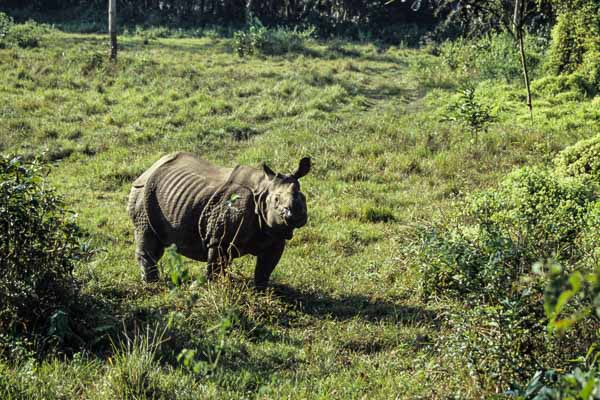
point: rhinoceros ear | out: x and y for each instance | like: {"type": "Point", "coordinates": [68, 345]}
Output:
{"type": "Point", "coordinates": [303, 168]}
{"type": "Point", "coordinates": [268, 171]}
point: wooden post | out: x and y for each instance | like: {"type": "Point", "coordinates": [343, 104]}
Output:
{"type": "Point", "coordinates": [112, 28]}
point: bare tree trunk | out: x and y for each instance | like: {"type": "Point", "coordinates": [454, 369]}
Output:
{"type": "Point", "coordinates": [518, 22]}
{"type": "Point", "coordinates": [112, 28]}
{"type": "Point", "coordinates": [249, 13]}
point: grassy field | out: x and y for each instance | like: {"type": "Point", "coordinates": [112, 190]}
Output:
{"type": "Point", "coordinates": [345, 318]}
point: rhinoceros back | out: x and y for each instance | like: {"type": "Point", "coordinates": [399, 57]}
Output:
{"type": "Point", "coordinates": [176, 189]}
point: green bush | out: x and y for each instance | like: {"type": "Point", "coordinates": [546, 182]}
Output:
{"type": "Point", "coordinates": [39, 248]}
{"type": "Point", "coordinates": [6, 23]}
{"type": "Point", "coordinates": [581, 159]}
{"type": "Point", "coordinates": [27, 35]}
{"type": "Point", "coordinates": [503, 343]}
{"type": "Point", "coordinates": [576, 85]}
{"type": "Point", "coordinates": [575, 44]}
{"type": "Point", "coordinates": [533, 215]}
{"type": "Point", "coordinates": [259, 39]}
{"type": "Point", "coordinates": [540, 213]}
{"type": "Point", "coordinates": [483, 257]}
{"type": "Point", "coordinates": [590, 240]}
{"type": "Point", "coordinates": [248, 42]}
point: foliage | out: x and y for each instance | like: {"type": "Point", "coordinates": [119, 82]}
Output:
{"type": "Point", "coordinates": [385, 20]}
{"type": "Point", "coordinates": [26, 35]}
{"type": "Point", "coordinates": [549, 385]}
{"type": "Point", "coordinates": [6, 23]}
{"type": "Point", "coordinates": [494, 56]}
{"type": "Point", "coordinates": [211, 357]}
{"type": "Point", "coordinates": [576, 42]}
{"type": "Point", "coordinates": [269, 41]}
{"type": "Point", "coordinates": [476, 18]}
{"type": "Point", "coordinates": [471, 113]}
{"type": "Point", "coordinates": [581, 159]}
{"type": "Point", "coordinates": [174, 268]}
{"type": "Point", "coordinates": [571, 300]}
{"type": "Point", "coordinates": [583, 381]}
{"type": "Point", "coordinates": [248, 41]}
{"type": "Point", "coordinates": [39, 249]}
{"type": "Point", "coordinates": [501, 343]}
{"type": "Point", "coordinates": [538, 212]}
{"type": "Point", "coordinates": [532, 216]}
{"type": "Point", "coordinates": [485, 259]}
{"type": "Point", "coordinates": [576, 86]}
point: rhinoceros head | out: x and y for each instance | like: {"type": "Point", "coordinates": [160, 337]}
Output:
{"type": "Point", "coordinates": [284, 206]}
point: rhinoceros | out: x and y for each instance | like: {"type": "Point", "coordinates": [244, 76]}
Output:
{"type": "Point", "coordinates": [215, 214]}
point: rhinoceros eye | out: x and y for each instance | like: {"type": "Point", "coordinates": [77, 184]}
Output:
{"type": "Point", "coordinates": [276, 200]}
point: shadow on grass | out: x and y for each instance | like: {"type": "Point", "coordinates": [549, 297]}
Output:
{"type": "Point", "coordinates": [324, 306]}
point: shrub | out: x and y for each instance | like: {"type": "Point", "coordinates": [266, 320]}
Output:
{"type": "Point", "coordinates": [249, 41]}
{"type": "Point", "coordinates": [258, 38]}
{"type": "Point", "coordinates": [27, 35]}
{"type": "Point", "coordinates": [533, 215]}
{"type": "Point", "coordinates": [581, 159]}
{"type": "Point", "coordinates": [6, 23]}
{"type": "Point", "coordinates": [590, 239]}
{"type": "Point", "coordinates": [39, 248]}
{"type": "Point", "coordinates": [483, 256]}
{"type": "Point", "coordinates": [540, 213]}
{"type": "Point", "coordinates": [549, 385]}
{"type": "Point", "coordinates": [503, 343]}
{"type": "Point", "coordinates": [576, 84]}
{"type": "Point", "coordinates": [575, 44]}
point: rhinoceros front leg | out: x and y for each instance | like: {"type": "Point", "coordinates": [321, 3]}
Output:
{"type": "Point", "coordinates": [216, 262]}
{"type": "Point", "coordinates": [265, 264]}
{"type": "Point", "coordinates": [148, 251]}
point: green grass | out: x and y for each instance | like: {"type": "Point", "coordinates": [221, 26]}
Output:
{"type": "Point", "coordinates": [345, 318]}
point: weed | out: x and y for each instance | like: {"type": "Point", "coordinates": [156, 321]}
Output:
{"type": "Point", "coordinates": [135, 365]}
{"type": "Point", "coordinates": [471, 113]}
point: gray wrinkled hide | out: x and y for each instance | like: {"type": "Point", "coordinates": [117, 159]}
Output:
{"type": "Point", "coordinates": [209, 213]}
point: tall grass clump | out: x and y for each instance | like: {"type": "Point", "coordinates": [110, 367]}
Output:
{"type": "Point", "coordinates": [40, 246]}
{"type": "Point", "coordinates": [136, 370]}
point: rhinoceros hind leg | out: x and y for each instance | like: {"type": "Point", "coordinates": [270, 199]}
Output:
{"type": "Point", "coordinates": [148, 251]}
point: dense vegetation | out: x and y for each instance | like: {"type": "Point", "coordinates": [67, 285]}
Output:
{"type": "Point", "coordinates": [379, 17]}
{"type": "Point", "coordinates": [452, 246]}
